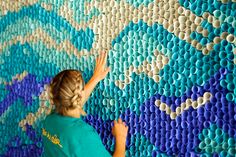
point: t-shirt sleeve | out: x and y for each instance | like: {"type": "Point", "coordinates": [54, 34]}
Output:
{"type": "Point", "coordinates": [91, 144]}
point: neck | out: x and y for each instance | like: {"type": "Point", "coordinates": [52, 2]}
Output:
{"type": "Point", "coordinates": [73, 113]}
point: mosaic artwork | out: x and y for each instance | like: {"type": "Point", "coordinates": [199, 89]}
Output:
{"type": "Point", "coordinates": [172, 78]}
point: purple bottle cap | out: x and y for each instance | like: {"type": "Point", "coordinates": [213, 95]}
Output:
{"type": "Point", "coordinates": [213, 100]}
{"type": "Point", "coordinates": [201, 119]}
{"type": "Point", "coordinates": [179, 144]}
{"type": "Point", "coordinates": [189, 118]}
{"type": "Point", "coordinates": [218, 76]}
{"type": "Point", "coordinates": [184, 115]}
{"type": "Point", "coordinates": [168, 143]}
{"type": "Point", "coordinates": [218, 95]}
{"type": "Point", "coordinates": [220, 123]}
{"type": "Point", "coordinates": [194, 114]}
{"type": "Point", "coordinates": [190, 135]}
{"type": "Point", "coordinates": [206, 124]}
{"type": "Point", "coordinates": [225, 109]}
{"type": "Point", "coordinates": [154, 153]}
{"type": "Point", "coordinates": [173, 132]}
{"type": "Point", "coordinates": [183, 149]}
{"type": "Point", "coordinates": [189, 93]}
{"type": "Point", "coordinates": [212, 81]}
{"type": "Point", "coordinates": [168, 134]}
{"type": "Point", "coordinates": [173, 124]}
{"type": "Point", "coordinates": [232, 121]}
{"type": "Point", "coordinates": [162, 147]}
{"type": "Point", "coordinates": [213, 118]}
{"type": "Point", "coordinates": [226, 127]}
{"type": "Point", "coordinates": [174, 149]}
{"type": "Point", "coordinates": [195, 131]}
{"type": "Point", "coordinates": [207, 107]}
{"type": "Point", "coordinates": [226, 117]}
{"type": "Point", "coordinates": [190, 145]}
{"type": "Point", "coordinates": [163, 116]}
{"type": "Point", "coordinates": [183, 98]}
{"type": "Point", "coordinates": [163, 99]}
{"type": "Point", "coordinates": [178, 135]}
{"type": "Point", "coordinates": [194, 122]}
{"type": "Point", "coordinates": [153, 131]}
{"type": "Point", "coordinates": [178, 120]}
{"type": "Point", "coordinates": [223, 71]}
{"type": "Point", "coordinates": [152, 108]}
{"type": "Point", "coordinates": [195, 89]}
{"type": "Point", "coordinates": [178, 102]}
{"type": "Point", "coordinates": [206, 86]}
{"type": "Point", "coordinates": [213, 109]}
{"type": "Point", "coordinates": [201, 111]}
{"type": "Point", "coordinates": [231, 132]}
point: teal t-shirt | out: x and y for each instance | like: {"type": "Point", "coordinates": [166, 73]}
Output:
{"type": "Point", "coordinates": [65, 136]}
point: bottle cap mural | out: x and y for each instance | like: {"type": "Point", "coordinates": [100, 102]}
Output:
{"type": "Point", "coordinates": [172, 78]}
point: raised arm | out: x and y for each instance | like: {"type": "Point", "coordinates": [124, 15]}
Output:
{"type": "Point", "coordinates": [100, 72]}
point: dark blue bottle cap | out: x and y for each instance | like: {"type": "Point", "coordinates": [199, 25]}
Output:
{"type": "Point", "coordinates": [206, 124]}
{"type": "Point", "coordinates": [213, 118]}
{"type": "Point", "coordinates": [231, 132]}
{"type": "Point", "coordinates": [226, 127]}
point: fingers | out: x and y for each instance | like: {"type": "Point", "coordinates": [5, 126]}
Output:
{"type": "Point", "coordinates": [107, 70]}
{"type": "Point", "coordinates": [97, 61]}
{"type": "Point", "coordinates": [120, 121]}
{"type": "Point", "coordinates": [105, 59]}
{"type": "Point", "coordinates": [101, 59]}
{"type": "Point", "coordinates": [125, 124]}
{"type": "Point", "coordinates": [115, 122]}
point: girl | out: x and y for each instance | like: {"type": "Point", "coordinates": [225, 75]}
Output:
{"type": "Point", "coordinates": [64, 131]}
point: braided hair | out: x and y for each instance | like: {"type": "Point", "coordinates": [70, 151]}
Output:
{"type": "Point", "coordinates": [65, 91]}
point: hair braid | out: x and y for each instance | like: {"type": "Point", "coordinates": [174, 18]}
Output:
{"type": "Point", "coordinates": [76, 99]}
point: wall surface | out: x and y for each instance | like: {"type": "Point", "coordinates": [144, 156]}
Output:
{"type": "Point", "coordinates": [172, 78]}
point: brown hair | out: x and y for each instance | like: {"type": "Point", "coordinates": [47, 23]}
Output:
{"type": "Point", "coordinates": [65, 91]}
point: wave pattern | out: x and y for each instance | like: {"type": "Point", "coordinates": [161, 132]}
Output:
{"type": "Point", "coordinates": [172, 78]}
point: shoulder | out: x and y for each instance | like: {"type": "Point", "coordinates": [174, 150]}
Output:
{"type": "Point", "coordinates": [83, 128]}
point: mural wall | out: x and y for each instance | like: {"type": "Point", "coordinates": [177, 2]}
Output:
{"type": "Point", "coordinates": [172, 78]}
